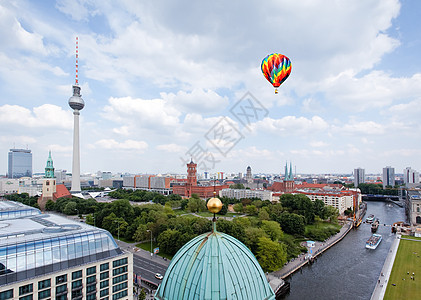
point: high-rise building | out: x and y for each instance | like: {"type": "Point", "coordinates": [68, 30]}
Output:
{"type": "Point", "coordinates": [46, 256]}
{"type": "Point", "coordinates": [388, 177]}
{"type": "Point", "coordinates": [77, 104]}
{"type": "Point", "coordinates": [410, 177]}
{"type": "Point", "coordinates": [20, 163]}
{"type": "Point", "coordinates": [249, 177]}
{"type": "Point", "coordinates": [359, 176]}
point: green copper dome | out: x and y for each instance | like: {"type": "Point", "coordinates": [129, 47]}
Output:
{"type": "Point", "coordinates": [214, 266]}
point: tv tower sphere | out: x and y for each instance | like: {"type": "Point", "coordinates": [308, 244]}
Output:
{"type": "Point", "coordinates": [76, 102]}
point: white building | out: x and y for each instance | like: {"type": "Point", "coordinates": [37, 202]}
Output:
{"type": "Point", "coordinates": [339, 200]}
{"type": "Point", "coordinates": [388, 177]}
{"type": "Point", "coordinates": [51, 257]}
{"type": "Point", "coordinates": [246, 193]}
{"type": "Point", "coordinates": [359, 176]}
{"type": "Point", "coordinates": [411, 177]}
{"type": "Point", "coordinates": [21, 185]}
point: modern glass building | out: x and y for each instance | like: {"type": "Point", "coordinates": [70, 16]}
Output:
{"type": "Point", "coordinates": [51, 257]}
{"type": "Point", "coordinates": [20, 163]}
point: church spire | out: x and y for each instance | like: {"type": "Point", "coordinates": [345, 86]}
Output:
{"type": "Point", "coordinates": [49, 169]}
{"type": "Point", "coordinates": [286, 170]}
{"type": "Point", "coordinates": [291, 176]}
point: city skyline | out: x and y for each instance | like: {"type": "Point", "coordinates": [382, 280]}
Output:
{"type": "Point", "coordinates": [157, 79]}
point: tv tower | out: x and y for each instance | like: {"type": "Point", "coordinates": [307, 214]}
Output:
{"type": "Point", "coordinates": [76, 103]}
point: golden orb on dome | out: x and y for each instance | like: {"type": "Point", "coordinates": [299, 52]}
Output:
{"type": "Point", "coordinates": [214, 205]}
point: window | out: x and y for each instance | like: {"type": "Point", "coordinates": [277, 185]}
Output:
{"type": "Point", "coordinates": [91, 270]}
{"type": "Point", "coordinates": [6, 295]}
{"type": "Point", "coordinates": [25, 289]}
{"type": "Point", "coordinates": [44, 284]}
{"type": "Point", "coordinates": [119, 278]}
{"type": "Point", "coordinates": [91, 297]}
{"type": "Point", "coordinates": [76, 274]}
{"type": "Point", "coordinates": [104, 275]}
{"type": "Point", "coordinates": [61, 279]}
{"type": "Point", "coordinates": [28, 297]}
{"type": "Point", "coordinates": [76, 284]}
{"type": "Point", "coordinates": [61, 288]}
{"type": "Point", "coordinates": [90, 288]}
{"type": "Point", "coordinates": [120, 270]}
{"type": "Point", "coordinates": [61, 297]}
{"type": "Point", "coordinates": [76, 294]}
{"type": "Point", "coordinates": [103, 284]}
{"type": "Point", "coordinates": [120, 295]}
{"type": "Point", "coordinates": [90, 279]}
{"type": "Point", "coordinates": [119, 287]}
{"type": "Point", "coordinates": [103, 293]}
{"type": "Point", "coordinates": [104, 267]}
{"type": "Point", "coordinates": [120, 262]}
{"type": "Point", "coordinates": [44, 294]}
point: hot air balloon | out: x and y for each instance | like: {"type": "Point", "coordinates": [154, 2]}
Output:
{"type": "Point", "coordinates": [276, 68]}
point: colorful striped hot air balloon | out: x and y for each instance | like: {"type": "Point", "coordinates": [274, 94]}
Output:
{"type": "Point", "coordinates": [276, 68]}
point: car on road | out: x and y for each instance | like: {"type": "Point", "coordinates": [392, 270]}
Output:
{"type": "Point", "coordinates": [158, 276]}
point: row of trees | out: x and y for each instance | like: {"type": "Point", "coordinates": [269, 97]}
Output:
{"type": "Point", "coordinates": [266, 231]}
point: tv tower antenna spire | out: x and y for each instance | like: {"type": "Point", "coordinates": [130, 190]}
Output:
{"type": "Point", "coordinates": [77, 61]}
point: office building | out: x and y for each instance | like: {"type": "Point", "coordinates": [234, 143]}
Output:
{"type": "Point", "coordinates": [246, 194]}
{"type": "Point", "coordinates": [20, 163]}
{"type": "Point", "coordinates": [413, 207]}
{"type": "Point", "coordinates": [51, 257]}
{"type": "Point", "coordinates": [359, 176]}
{"type": "Point", "coordinates": [411, 178]}
{"type": "Point", "coordinates": [388, 177]}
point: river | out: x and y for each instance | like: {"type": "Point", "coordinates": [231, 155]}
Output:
{"type": "Point", "coordinates": [348, 270]}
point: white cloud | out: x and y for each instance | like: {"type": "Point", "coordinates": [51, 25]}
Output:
{"type": "Point", "coordinates": [47, 115]}
{"type": "Point", "coordinates": [318, 144]}
{"type": "Point", "coordinates": [198, 101]}
{"type": "Point", "coordinates": [126, 145]}
{"type": "Point", "coordinates": [290, 125]}
{"type": "Point", "coordinates": [364, 127]}
{"type": "Point", "coordinates": [173, 148]}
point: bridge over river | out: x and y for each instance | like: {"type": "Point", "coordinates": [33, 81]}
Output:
{"type": "Point", "coordinates": [386, 198]}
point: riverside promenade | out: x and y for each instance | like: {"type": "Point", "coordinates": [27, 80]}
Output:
{"type": "Point", "coordinates": [319, 248]}
{"type": "Point", "coordinates": [381, 285]}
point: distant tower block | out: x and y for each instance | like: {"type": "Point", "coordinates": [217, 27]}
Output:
{"type": "Point", "coordinates": [77, 104]}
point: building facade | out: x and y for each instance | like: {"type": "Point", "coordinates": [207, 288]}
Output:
{"type": "Point", "coordinates": [359, 176]}
{"type": "Point", "coordinates": [411, 178]}
{"type": "Point", "coordinates": [51, 257]}
{"type": "Point", "coordinates": [413, 206]}
{"type": "Point", "coordinates": [388, 177]}
{"type": "Point", "coordinates": [20, 163]}
{"type": "Point", "coordinates": [246, 193]}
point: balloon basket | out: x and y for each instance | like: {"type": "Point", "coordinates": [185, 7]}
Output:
{"type": "Point", "coordinates": [276, 91]}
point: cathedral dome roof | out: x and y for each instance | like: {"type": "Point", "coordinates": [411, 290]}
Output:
{"type": "Point", "coordinates": [214, 265]}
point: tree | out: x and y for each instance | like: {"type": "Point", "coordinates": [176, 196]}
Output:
{"type": "Point", "coordinates": [250, 210]}
{"type": "Point", "coordinates": [50, 205]}
{"type": "Point", "coordinates": [70, 208]}
{"type": "Point", "coordinates": [291, 223]}
{"type": "Point", "coordinates": [141, 233]}
{"type": "Point", "coordinates": [272, 229]}
{"type": "Point", "coordinates": [263, 214]}
{"type": "Point", "coordinates": [319, 209]}
{"type": "Point", "coordinates": [223, 210]}
{"type": "Point", "coordinates": [142, 295]}
{"type": "Point", "coordinates": [169, 241]}
{"type": "Point", "coordinates": [238, 207]}
{"type": "Point", "coordinates": [252, 235]}
{"type": "Point", "coordinates": [196, 204]}
{"type": "Point", "coordinates": [271, 255]}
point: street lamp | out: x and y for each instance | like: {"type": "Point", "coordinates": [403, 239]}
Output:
{"type": "Point", "coordinates": [151, 240]}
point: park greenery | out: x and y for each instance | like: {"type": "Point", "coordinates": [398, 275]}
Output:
{"type": "Point", "coordinates": [273, 232]}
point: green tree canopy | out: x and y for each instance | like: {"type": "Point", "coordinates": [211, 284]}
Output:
{"type": "Point", "coordinates": [271, 255]}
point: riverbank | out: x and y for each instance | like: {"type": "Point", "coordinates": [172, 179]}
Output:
{"type": "Point", "coordinates": [297, 263]}
{"type": "Point", "coordinates": [381, 285]}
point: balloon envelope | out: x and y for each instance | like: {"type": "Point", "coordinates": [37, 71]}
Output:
{"type": "Point", "coordinates": [276, 68]}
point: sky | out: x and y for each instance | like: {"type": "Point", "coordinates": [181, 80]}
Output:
{"type": "Point", "coordinates": [166, 81]}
